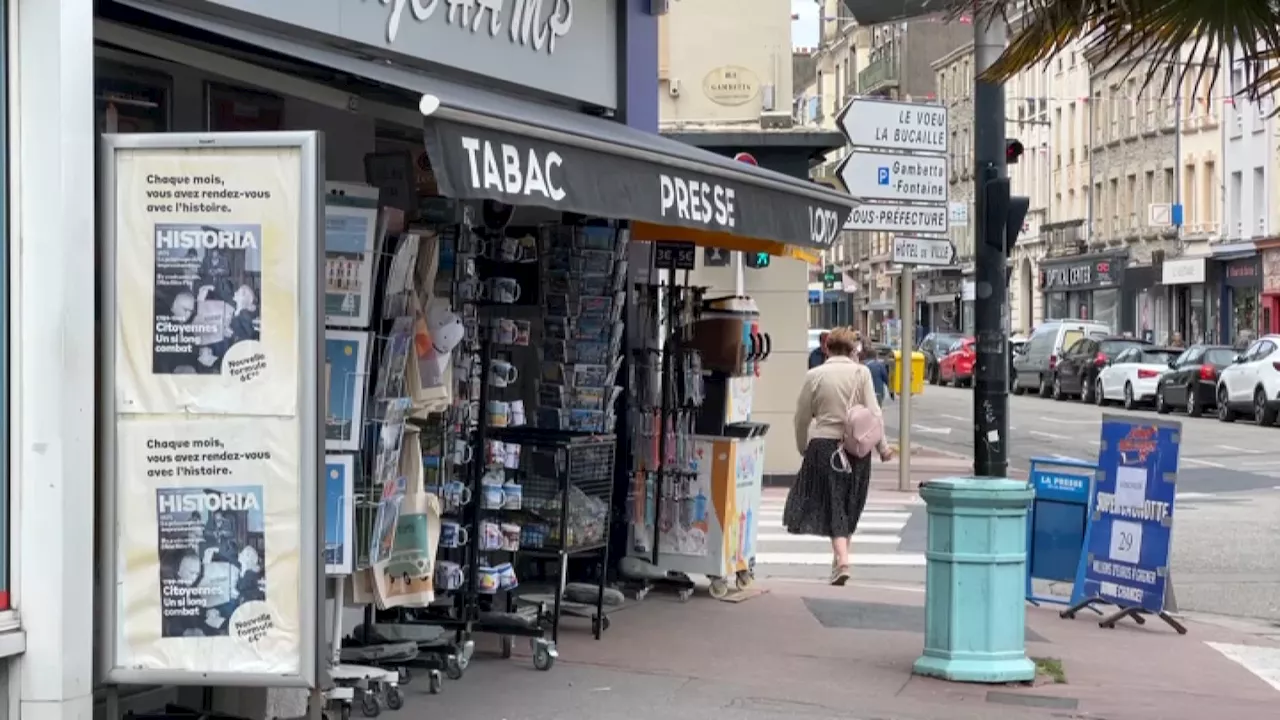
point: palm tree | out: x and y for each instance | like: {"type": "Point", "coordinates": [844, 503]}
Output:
{"type": "Point", "coordinates": [1182, 37]}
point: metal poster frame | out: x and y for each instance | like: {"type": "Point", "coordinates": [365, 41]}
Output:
{"type": "Point", "coordinates": [311, 666]}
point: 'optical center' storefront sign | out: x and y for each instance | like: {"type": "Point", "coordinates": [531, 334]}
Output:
{"type": "Point", "coordinates": [563, 47]}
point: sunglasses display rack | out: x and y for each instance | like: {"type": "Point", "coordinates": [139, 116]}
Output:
{"type": "Point", "coordinates": [665, 387]}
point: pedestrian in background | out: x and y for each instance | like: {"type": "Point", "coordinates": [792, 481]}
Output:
{"type": "Point", "coordinates": [879, 374]}
{"type": "Point", "coordinates": [828, 496]}
{"type": "Point", "coordinates": [818, 355]}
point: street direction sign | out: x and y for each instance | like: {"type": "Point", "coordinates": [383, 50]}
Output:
{"type": "Point", "coordinates": [889, 125]}
{"type": "Point", "coordinates": [898, 218]}
{"type": "Point", "coordinates": [893, 176]}
{"type": "Point", "coordinates": [908, 250]}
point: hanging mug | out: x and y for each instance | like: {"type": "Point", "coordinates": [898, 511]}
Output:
{"type": "Point", "coordinates": [503, 331]}
{"type": "Point", "coordinates": [512, 496]}
{"type": "Point", "coordinates": [492, 495]}
{"type": "Point", "coordinates": [511, 460]}
{"type": "Point", "coordinates": [490, 536]}
{"type": "Point", "coordinates": [455, 494]}
{"type": "Point", "coordinates": [472, 290]}
{"type": "Point", "coordinates": [523, 330]}
{"type": "Point", "coordinates": [502, 373]}
{"type": "Point", "coordinates": [487, 580]}
{"type": "Point", "coordinates": [504, 290]}
{"type": "Point", "coordinates": [499, 412]}
{"type": "Point", "coordinates": [506, 576]}
{"type": "Point", "coordinates": [453, 535]}
{"type": "Point", "coordinates": [517, 413]}
{"type": "Point", "coordinates": [462, 452]}
{"type": "Point", "coordinates": [450, 575]}
{"type": "Point", "coordinates": [509, 249]}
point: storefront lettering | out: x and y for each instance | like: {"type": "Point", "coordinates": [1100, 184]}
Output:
{"type": "Point", "coordinates": [823, 225]}
{"type": "Point", "coordinates": [526, 23]}
{"type": "Point", "coordinates": [1070, 276]}
{"type": "Point", "coordinates": [533, 176]}
{"type": "Point", "coordinates": [1241, 271]}
{"type": "Point", "coordinates": [698, 200]}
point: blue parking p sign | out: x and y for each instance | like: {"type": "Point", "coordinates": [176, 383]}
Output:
{"type": "Point", "coordinates": [882, 176]}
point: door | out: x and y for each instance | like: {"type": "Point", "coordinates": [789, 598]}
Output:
{"type": "Point", "coordinates": [1113, 376]}
{"type": "Point", "coordinates": [1240, 378]}
{"type": "Point", "coordinates": [1074, 363]}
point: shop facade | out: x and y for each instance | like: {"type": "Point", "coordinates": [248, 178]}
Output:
{"type": "Point", "coordinates": [1240, 299]}
{"type": "Point", "coordinates": [1269, 251]}
{"type": "Point", "coordinates": [939, 302]}
{"type": "Point", "coordinates": [509, 110]}
{"type": "Point", "coordinates": [1084, 288]}
{"type": "Point", "coordinates": [1187, 298]}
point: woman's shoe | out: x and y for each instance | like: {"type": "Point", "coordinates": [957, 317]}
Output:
{"type": "Point", "coordinates": [840, 576]}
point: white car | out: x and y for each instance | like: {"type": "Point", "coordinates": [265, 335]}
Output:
{"type": "Point", "coordinates": [815, 337]}
{"type": "Point", "coordinates": [1251, 385]}
{"type": "Point", "coordinates": [1132, 377]}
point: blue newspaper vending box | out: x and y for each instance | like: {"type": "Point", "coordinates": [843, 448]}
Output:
{"type": "Point", "coordinates": [1058, 525]}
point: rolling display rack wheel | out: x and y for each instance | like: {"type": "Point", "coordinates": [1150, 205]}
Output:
{"type": "Point", "coordinates": [719, 587]}
{"type": "Point", "coordinates": [344, 713]}
{"type": "Point", "coordinates": [684, 594]}
{"type": "Point", "coordinates": [435, 682]}
{"type": "Point", "coordinates": [599, 624]}
{"type": "Point", "coordinates": [544, 654]}
{"type": "Point", "coordinates": [454, 667]}
{"type": "Point", "coordinates": [508, 643]}
{"type": "Point", "coordinates": [745, 579]}
{"type": "Point", "coordinates": [395, 698]}
{"type": "Point", "coordinates": [369, 704]}
{"type": "Point", "coordinates": [406, 675]}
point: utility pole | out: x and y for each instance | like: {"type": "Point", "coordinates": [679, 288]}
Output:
{"type": "Point", "coordinates": [991, 384]}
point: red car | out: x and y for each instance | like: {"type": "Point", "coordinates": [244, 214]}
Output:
{"type": "Point", "coordinates": [956, 367]}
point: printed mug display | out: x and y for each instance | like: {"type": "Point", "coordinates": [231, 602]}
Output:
{"type": "Point", "coordinates": [453, 535]}
{"type": "Point", "coordinates": [502, 373]}
{"type": "Point", "coordinates": [503, 290]}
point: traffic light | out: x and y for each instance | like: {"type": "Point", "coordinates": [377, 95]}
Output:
{"type": "Point", "coordinates": [1004, 211]}
{"type": "Point", "coordinates": [757, 260]}
{"type": "Point", "coordinates": [829, 277]}
{"type": "Point", "coordinates": [1012, 151]}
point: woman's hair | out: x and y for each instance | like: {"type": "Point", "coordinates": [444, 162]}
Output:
{"type": "Point", "coordinates": [841, 341]}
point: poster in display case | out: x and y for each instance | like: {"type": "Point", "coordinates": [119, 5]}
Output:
{"type": "Point", "coordinates": [211, 535]}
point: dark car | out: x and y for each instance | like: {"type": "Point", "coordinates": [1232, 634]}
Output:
{"type": "Point", "coordinates": [934, 346]}
{"type": "Point", "coordinates": [1077, 370]}
{"type": "Point", "coordinates": [1192, 379]}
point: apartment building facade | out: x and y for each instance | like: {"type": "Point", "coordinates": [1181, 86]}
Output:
{"type": "Point", "coordinates": [948, 304]}
{"type": "Point", "coordinates": [739, 97]}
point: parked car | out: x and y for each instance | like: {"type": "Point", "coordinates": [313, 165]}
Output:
{"type": "Point", "coordinates": [1034, 364]}
{"type": "Point", "coordinates": [934, 346]}
{"type": "Point", "coordinates": [1251, 384]}
{"type": "Point", "coordinates": [1134, 375]}
{"type": "Point", "coordinates": [1078, 368]}
{"type": "Point", "coordinates": [1192, 380]}
{"type": "Point", "coordinates": [815, 337]}
{"type": "Point", "coordinates": [957, 365]}
{"type": "Point", "coordinates": [1016, 343]}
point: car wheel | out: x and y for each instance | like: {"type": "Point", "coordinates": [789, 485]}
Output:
{"type": "Point", "coordinates": [1129, 402]}
{"type": "Point", "coordinates": [932, 374]}
{"type": "Point", "coordinates": [1044, 387]}
{"type": "Point", "coordinates": [1225, 413]}
{"type": "Point", "coordinates": [1014, 387]}
{"type": "Point", "coordinates": [1099, 397]}
{"type": "Point", "coordinates": [1057, 389]}
{"type": "Point", "coordinates": [1161, 407]}
{"type": "Point", "coordinates": [1193, 407]}
{"type": "Point", "coordinates": [1087, 390]}
{"type": "Point", "coordinates": [1261, 413]}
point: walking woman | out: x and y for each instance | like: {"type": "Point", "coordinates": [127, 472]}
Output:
{"type": "Point", "coordinates": [830, 494]}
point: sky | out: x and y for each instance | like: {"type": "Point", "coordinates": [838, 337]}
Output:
{"type": "Point", "coordinates": [804, 31]}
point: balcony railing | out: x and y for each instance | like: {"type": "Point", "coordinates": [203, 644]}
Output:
{"type": "Point", "coordinates": [879, 74]}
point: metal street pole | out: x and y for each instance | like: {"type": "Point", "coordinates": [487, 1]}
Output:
{"type": "Point", "coordinates": [991, 386]}
{"type": "Point", "coordinates": [907, 340]}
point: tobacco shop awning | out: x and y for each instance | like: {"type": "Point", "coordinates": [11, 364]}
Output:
{"type": "Point", "coordinates": [485, 145]}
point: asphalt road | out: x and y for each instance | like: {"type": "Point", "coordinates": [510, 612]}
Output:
{"type": "Point", "coordinates": [1226, 556]}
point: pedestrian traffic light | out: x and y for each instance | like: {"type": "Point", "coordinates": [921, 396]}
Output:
{"type": "Point", "coordinates": [757, 259]}
{"type": "Point", "coordinates": [829, 277]}
{"type": "Point", "coordinates": [1012, 151]}
{"type": "Point", "coordinates": [1004, 215]}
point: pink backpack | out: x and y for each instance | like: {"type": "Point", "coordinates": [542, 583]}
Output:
{"type": "Point", "coordinates": [863, 431]}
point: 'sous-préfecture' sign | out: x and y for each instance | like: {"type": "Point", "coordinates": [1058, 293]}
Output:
{"type": "Point", "coordinates": [898, 166]}
{"type": "Point", "coordinates": [908, 250]}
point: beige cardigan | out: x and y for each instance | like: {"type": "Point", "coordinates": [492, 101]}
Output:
{"type": "Point", "coordinates": [824, 400]}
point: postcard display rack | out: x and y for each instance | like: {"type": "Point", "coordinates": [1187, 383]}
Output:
{"type": "Point", "coordinates": [698, 467]}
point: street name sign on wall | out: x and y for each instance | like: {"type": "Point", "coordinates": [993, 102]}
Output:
{"type": "Point", "coordinates": [937, 252]}
{"type": "Point", "coordinates": [894, 126]}
{"type": "Point", "coordinates": [869, 175]}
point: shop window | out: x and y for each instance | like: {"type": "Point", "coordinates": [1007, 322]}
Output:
{"type": "Point", "coordinates": [129, 100]}
{"type": "Point", "coordinates": [1106, 308]}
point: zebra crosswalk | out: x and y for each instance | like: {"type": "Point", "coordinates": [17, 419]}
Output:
{"type": "Point", "coordinates": [875, 544]}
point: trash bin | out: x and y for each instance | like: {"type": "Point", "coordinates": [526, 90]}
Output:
{"type": "Point", "coordinates": [917, 372]}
